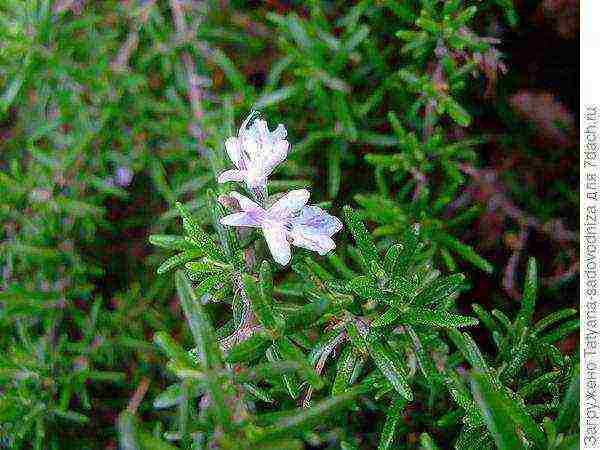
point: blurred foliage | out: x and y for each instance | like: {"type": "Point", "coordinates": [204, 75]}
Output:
{"type": "Point", "coordinates": [113, 116]}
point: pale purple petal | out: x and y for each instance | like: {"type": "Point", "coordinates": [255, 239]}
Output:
{"type": "Point", "coordinates": [280, 132]}
{"type": "Point", "coordinates": [250, 145]}
{"type": "Point", "coordinates": [277, 154]}
{"type": "Point", "coordinates": [262, 131]}
{"type": "Point", "coordinates": [124, 176]}
{"type": "Point", "coordinates": [255, 176]}
{"type": "Point", "coordinates": [231, 175]}
{"type": "Point", "coordinates": [310, 239]}
{"type": "Point", "coordinates": [240, 219]}
{"type": "Point", "coordinates": [276, 238]}
{"type": "Point", "coordinates": [317, 219]}
{"type": "Point", "coordinates": [234, 151]}
{"type": "Point", "coordinates": [289, 204]}
{"type": "Point", "coordinates": [245, 203]}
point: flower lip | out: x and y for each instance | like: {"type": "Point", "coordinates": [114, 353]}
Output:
{"type": "Point", "coordinates": [288, 221]}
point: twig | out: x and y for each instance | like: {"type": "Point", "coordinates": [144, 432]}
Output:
{"type": "Point", "coordinates": [248, 324]}
{"type": "Point", "coordinates": [194, 92]}
{"type": "Point", "coordinates": [321, 364]}
{"type": "Point", "coordinates": [488, 179]}
{"type": "Point", "coordinates": [554, 229]}
{"type": "Point", "coordinates": [138, 395]}
{"type": "Point", "coordinates": [122, 59]}
{"type": "Point", "coordinates": [511, 267]}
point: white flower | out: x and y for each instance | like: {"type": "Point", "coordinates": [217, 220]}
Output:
{"type": "Point", "coordinates": [287, 221]}
{"type": "Point", "coordinates": [255, 152]}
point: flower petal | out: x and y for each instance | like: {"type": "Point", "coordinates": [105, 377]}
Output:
{"type": "Point", "coordinates": [276, 238]}
{"type": "Point", "coordinates": [277, 153]}
{"type": "Point", "coordinates": [245, 203]}
{"type": "Point", "coordinates": [232, 175]}
{"type": "Point", "coordinates": [255, 176]}
{"type": "Point", "coordinates": [240, 219]}
{"type": "Point", "coordinates": [280, 132]}
{"type": "Point", "coordinates": [289, 204]}
{"type": "Point", "coordinates": [310, 239]}
{"type": "Point", "coordinates": [261, 129]}
{"type": "Point", "coordinates": [317, 219]}
{"type": "Point", "coordinates": [234, 151]}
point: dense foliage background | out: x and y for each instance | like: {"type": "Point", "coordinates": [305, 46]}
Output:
{"type": "Point", "coordinates": [459, 117]}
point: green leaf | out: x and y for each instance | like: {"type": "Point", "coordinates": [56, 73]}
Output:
{"type": "Point", "coordinates": [486, 318]}
{"type": "Point", "coordinates": [178, 260]}
{"type": "Point", "coordinates": [168, 398]}
{"type": "Point", "coordinates": [386, 318]}
{"type": "Point", "coordinates": [172, 349]}
{"type": "Point", "coordinates": [258, 393]}
{"type": "Point", "coordinates": [361, 235]}
{"type": "Point", "coordinates": [392, 257]}
{"type": "Point", "coordinates": [306, 315]}
{"type": "Point", "coordinates": [290, 352]}
{"type": "Point", "coordinates": [284, 424]}
{"type": "Point", "coordinates": [498, 421]}
{"type": "Point", "coordinates": [127, 431]}
{"type": "Point", "coordinates": [344, 370]}
{"type": "Point", "coordinates": [266, 371]}
{"type": "Point", "coordinates": [356, 337]}
{"type": "Point", "coordinates": [427, 443]}
{"type": "Point", "coordinates": [133, 438]}
{"type": "Point", "coordinates": [391, 422]}
{"type": "Point", "coordinates": [465, 251]}
{"type": "Point", "coordinates": [551, 319]}
{"type": "Point", "coordinates": [388, 364]}
{"type": "Point", "coordinates": [261, 303]}
{"type": "Point", "coordinates": [530, 292]}
{"type": "Point", "coordinates": [568, 412]}
{"type": "Point", "coordinates": [290, 380]}
{"type": "Point", "coordinates": [170, 241]}
{"type": "Point", "coordinates": [365, 287]}
{"type": "Point", "coordinates": [538, 385]}
{"type": "Point", "coordinates": [504, 415]}
{"type": "Point", "coordinates": [250, 349]}
{"type": "Point", "coordinates": [209, 353]}
{"type": "Point", "coordinates": [281, 444]}
{"type": "Point", "coordinates": [334, 170]}
{"type": "Point", "coordinates": [199, 237]}
{"type": "Point", "coordinates": [437, 318]}
{"type": "Point", "coordinates": [173, 395]}
{"type": "Point", "coordinates": [208, 284]}
{"type": "Point", "coordinates": [561, 332]}
{"type": "Point", "coordinates": [569, 443]}
{"type": "Point", "coordinates": [402, 286]}
{"type": "Point", "coordinates": [470, 350]}
{"type": "Point", "coordinates": [439, 290]}
{"type": "Point", "coordinates": [206, 266]}
{"type": "Point", "coordinates": [410, 245]}
{"type": "Point", "coordinates": [266, 282]}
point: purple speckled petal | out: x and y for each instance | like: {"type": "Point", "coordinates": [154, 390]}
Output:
{"type": "Point", "coordinates": [234, 150]}
{"type": "Point", "coordinates": [232, 175]}
{"type": "Point", "coordinates": [321, 222]}
{"type": "Point", "coordinates": [240, 219]}
{"type": "Point", "coordinates": [289, 204]}
{"type": "Point", "coordinates": [276, 154]}
{"type": "Point", "coordinates": [276, 238]}
{"type": "Point", "coordinates": [310, 239]}
{"type": "Point", "coordinates": [280, 132]}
